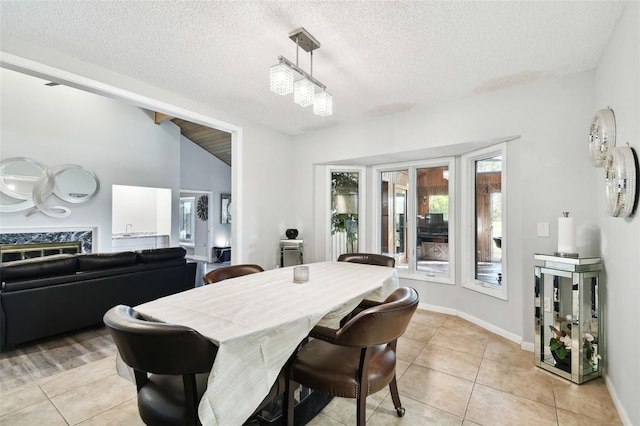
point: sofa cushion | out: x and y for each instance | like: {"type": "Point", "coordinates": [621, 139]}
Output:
{"type": "Point", "coordinates": [161, 254]}
{"type": "Point", "coordinates": [38, 267]}
{"type": "Point", "coordinates": [93, 261]}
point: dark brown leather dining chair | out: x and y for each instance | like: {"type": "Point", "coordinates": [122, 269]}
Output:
{"type": "Point", "coordinates": [233, 271]}
{"type": "Point", "coordinates": [368, 258]}
{"type": "Point", "coordinates": [358, 359]}
{"type": "Point", "coordinates": [171, 364]}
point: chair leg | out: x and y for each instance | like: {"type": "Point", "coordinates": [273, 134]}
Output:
{"type": "Point", "coordinates": [395, 397]}
{"type": "Point", "coordinates": [362, 410]}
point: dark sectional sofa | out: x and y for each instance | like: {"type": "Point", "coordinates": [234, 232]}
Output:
{"type": "Point", "coordinates": [57, 294]}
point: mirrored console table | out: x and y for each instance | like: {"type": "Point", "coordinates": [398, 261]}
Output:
{"type": "Point", "coordinates": [568, 324]}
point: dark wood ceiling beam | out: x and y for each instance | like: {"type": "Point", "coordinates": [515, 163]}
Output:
{"type": "Point", "coordinates": [216, 142]}
{"type": "Point", "coordinates": [160, 117]}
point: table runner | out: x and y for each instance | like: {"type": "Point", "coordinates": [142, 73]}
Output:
{"type": "Point", "coordinates": [258, 320]}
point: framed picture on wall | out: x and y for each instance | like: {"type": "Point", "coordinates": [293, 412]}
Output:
{"type": "Point", "coordinates": [225, 208]}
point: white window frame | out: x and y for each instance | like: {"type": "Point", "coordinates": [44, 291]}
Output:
{"type": "Point", "coordinates": [469, 217]}
{"type": "Point", "coordinates": [361, 204]}
{"type": "Point", "coordinates": [412, 272]}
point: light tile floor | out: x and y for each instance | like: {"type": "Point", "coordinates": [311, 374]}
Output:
{"type": "Point", "coordinates": [450, 371]}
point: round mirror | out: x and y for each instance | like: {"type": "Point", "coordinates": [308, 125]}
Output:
{"type": "Point", "coordinates": [18, 177]}
{"type": "Point", "coordinates": [75, 184]}
{"type": "Point", "coordinates": [26, 184]}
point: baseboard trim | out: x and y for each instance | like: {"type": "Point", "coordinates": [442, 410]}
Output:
{"type": "Point", "coordinates": [439, 309]}
{"type": "Point", "coordinates": [616, 401]}
{"type": "Point", "coordinates": [527, 346]}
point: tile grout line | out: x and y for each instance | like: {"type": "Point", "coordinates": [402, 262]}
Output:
{"type": "Point", "coordinates": [54, 406]}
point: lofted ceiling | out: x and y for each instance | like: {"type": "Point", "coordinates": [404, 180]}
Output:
{"type": "Point", "coordinates": [376, 58]}
{"type": "Point", "coordinates": [216, 142]}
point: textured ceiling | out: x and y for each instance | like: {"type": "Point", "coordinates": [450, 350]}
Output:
{"type": "Point", "coordinates": [376, 57]}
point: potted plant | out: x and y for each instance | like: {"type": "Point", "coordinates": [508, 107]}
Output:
{"type": "Point", "coordinates": [560, 346]}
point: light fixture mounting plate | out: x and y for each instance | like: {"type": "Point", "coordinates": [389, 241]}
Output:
{"type": "Point", "coordinates": [304, 39]}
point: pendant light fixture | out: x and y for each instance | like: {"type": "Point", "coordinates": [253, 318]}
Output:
{"type": "Point", "coordinates": [307, 90]}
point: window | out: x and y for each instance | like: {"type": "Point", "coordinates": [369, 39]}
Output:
{"type": "Point", "coordinates": [187, 220]}
{"type": "Point", "coordinates": [433, 249]}
{"type": "Point", "coordinates": [393, 209]}
{"type": "Point", "coordinates": [345, 211]}
{"type": "Point", "coordinates": [415, 225]}
{"type": "Point", "coordinates": [483, 220]}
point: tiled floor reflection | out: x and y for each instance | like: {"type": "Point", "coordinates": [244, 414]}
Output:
{"type": "Point", "coordinates": [450, 371]}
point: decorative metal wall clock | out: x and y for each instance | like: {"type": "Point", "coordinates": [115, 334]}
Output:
{"type": "Point", "coordinates": [203, 207]}
{"type": "Point", "coordinates": [621, 181]}
{"type": "Point", "coordinates": [602, 136]}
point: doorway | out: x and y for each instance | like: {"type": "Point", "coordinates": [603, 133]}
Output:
{"type": "Point", "coordinates": [196, 224]}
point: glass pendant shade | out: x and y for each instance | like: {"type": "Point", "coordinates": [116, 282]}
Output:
{"type": "Point", "coordinates": [323, 104]}
{"type": "Point", "coordinates": [303, 92]}
{"type": "Point", "coordinates": [281, 79]}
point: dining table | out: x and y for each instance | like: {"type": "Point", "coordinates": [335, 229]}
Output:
{"type": "Point", "coordinates": [259, 320]}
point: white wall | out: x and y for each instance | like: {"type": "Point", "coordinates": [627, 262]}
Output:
{"type": "Point", "coordinates": [118, 142]}
{"type": "Point", "coordinates": [269, 200]}
{"type": "Point", "coordinates": [617, 85]}
{"type": "Point", "coordinates": [163, 211]}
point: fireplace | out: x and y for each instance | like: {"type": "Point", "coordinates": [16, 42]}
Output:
{"type": "Point", "coordinates": [9, 252]}
{"type": "Point", "coordinates": [23, 245]}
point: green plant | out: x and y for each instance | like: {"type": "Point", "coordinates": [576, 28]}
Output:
{"type": "Point", "coordinates": [344, 214]}
{"type": "Point", "coordinates": [560, 343]}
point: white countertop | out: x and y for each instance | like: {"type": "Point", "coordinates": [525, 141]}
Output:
{"type": "Point", "coordinates": [136, 235]}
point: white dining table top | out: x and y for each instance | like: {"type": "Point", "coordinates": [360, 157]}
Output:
{"type": "Point", "coordinates": [258, 320]}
